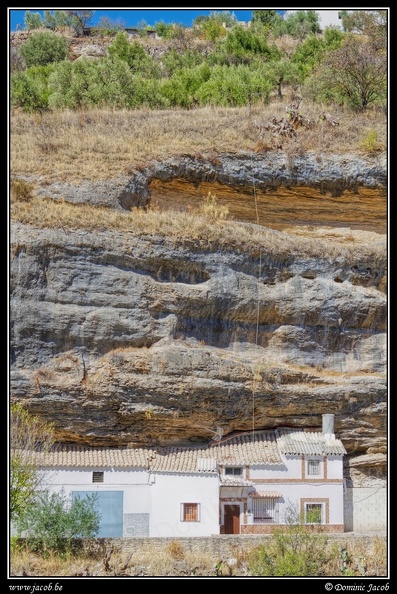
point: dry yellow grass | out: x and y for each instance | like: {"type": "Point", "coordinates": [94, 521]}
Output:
{"type": "Point", "coordinates": [196, 230]}
{"type": "Point", "coordinates": [352, 558]}
{"type": "Point", "coordinates": [102, 144]}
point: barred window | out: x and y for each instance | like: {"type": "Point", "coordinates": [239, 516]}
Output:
{"type": "Point", "coordinates": [313, 467]}
{"type": "Point", "coordinates": [190, 512]}
{"type": "Point", "coordinates": [234, 471]}
{"type": "Point", "coordinates": [265, 509]}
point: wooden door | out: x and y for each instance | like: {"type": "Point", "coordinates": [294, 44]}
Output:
{"type": "Point", "coordinates": [232, 519]}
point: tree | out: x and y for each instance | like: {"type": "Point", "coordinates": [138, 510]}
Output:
{"type": "Point", "coordinates": [371, 23]}
{"type": "Point", "coordinates": [266, 17]}
{"type": "Point", "coordinates": [55, 19]}
{"type": "Point", "coordinates": [301, 23]}
{"type": "Point", "coordinates": [52, 522]}
{"type": "Point", "coordinates": [32, 20]}
{"type": "Point", "coordinates": [353, 75]}
{"type": "Point", "coordinates": [79, 19]}
{"type": "Point", "coordinates": [28, 434]}
{"type": "Point", "coordinates": [44, 48]}
{"type": "Point", "coordinates": [29, 88]}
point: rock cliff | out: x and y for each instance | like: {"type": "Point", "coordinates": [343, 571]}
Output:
{"type": "Point", "coordinates": [125, 338]}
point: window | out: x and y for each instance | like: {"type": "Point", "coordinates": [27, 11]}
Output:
{"type": "Point", "coordinates": [97, 477]}
{"type": "Point", "coordinates": [234, 471]}
{"type": "Point", "coordinates": [190, 512]}
{"type": "Point", "coordinates": [313, 467]}
{"type": "Point", "coordinates": [265, 510]}
{"type": "Point", "coordinates": [314, 513]}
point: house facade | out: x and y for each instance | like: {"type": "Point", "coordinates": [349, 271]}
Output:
{"type": "Point", "coordinates": [247, 483]}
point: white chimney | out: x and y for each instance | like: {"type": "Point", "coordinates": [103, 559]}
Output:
{"type": "Point", "coordinates": [328, 426]}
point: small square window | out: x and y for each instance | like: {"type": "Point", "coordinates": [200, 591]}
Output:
{"type": "Point", "coordinates": [97, 477]}
{"type": "Point", "coordinates": [313, 467]}
{"type": "Point", "coordinates": [190, 512]}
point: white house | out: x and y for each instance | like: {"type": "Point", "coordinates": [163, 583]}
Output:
{"type": "Point", "coordinates": [241, 484]}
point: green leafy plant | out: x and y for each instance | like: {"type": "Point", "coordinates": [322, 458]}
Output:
{"type": "Point", "coordinates": [292, 550]}
{"type": "Point", "coordinates": [44, 48]}
{"type": "Point", "coordinates": [369, 142]}
{"type": "Point", "coordinates": [52, 523]}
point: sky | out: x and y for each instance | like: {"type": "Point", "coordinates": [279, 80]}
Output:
{"type": "Point", "coordinates": [131, 17]}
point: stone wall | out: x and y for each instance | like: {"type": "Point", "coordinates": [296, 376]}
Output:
{"type": "Point", "coordinates": [219, 546]}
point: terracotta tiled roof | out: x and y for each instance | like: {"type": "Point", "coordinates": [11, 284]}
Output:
{"type": "Point", "coordinates": [262, 447]}
{"type": "Point", "coordinates": [78, 457]}
{"type": "Point", "coordinates": [309, 443]}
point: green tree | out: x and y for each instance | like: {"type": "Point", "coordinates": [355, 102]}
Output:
{"type": "Point", "coordinates": [52, 522]}
{"type": "Point", "coordinates": [293, 550]}
{"type": "Point", "coordinates": [32, 20]}
{"type": "Point", "coordinates": [55, 19]}
{"type": "Point", "coordinates": [134, 54]}
{"type": "Point", "coordinates": [301, 23]}
{"type": "Point", "coordinates": [308, 54]}
{"type": "Point", "coordinates": [267, 18]}
{"type": "Point", "coordinates": [28, 434]}
{"type": "Point", "coordinates": [83, 83]}
{"type": "Point", "coordinates": [44, 48]}
{"type": "Point", "coordinates": [354, 75]}
{"type": "Point", "coordinates": [79, 19]}
{"type": "Point", "coordinates": [372, 23]}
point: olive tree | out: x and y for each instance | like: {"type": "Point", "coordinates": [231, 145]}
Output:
{"type": "Point", "coordinates": [28, 434]}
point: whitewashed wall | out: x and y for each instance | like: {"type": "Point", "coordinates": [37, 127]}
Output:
{"type": "Point", "coordinates": [169, 491]}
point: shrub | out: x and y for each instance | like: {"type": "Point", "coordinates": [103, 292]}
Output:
{"type": "Point", "coordinates": [52, 523]}
{"type": "Point", "coordinates": [29, 89]}
{"type": "Point", "coordinates": [293, 550]}
{"type": "Point", "coordinates": [44, 48]}
{"type": "Point", "coordinates": [369, 142]}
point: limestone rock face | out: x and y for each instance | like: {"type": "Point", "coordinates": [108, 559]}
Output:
{"type": "Point", "coordinates": [137, 340]}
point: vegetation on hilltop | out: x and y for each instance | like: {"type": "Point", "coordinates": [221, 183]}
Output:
{"type": "Point", "coordinates": [219, 62]}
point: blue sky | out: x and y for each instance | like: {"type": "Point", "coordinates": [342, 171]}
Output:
{"type": "Point", "coordinates": [131, 17]}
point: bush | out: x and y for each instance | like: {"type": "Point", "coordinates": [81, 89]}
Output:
{"type": "Point", "coordinates": [293, 551]}
{"type": "Point", "coordinates": [44, 48]}
{"type": "Point", "coordinates": [29, 89]}
{"type": "Point", "coordinates": [52, 523]}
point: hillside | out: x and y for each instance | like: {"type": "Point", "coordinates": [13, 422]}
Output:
{"type": "Point", "coordinates": [174, 271]}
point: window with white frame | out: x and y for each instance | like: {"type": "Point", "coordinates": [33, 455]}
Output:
{"type": "Point", "coordinates": [314, 513]}
{"type": "Point", "coordinates": [313, 467]}
{"type": "Point", "coordinates": [190, 512]}
{"type": "Point", "coordinates": [234, 471]}
{"type": "Point", "coordinates": [265, 509]}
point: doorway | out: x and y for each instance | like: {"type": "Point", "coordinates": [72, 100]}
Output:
{"type": "Point", "coordinates": [232, 519]}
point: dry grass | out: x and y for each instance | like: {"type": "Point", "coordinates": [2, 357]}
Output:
{"type": "Point", "coordinates": [102, 144]}
{"type": "Point", "coordinates": [353, 558]}
{"type": "Point", "coordinates": [192, 229]}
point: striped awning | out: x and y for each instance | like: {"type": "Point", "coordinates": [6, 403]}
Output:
{"type": "Point", "coordinates": [264, 495]}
